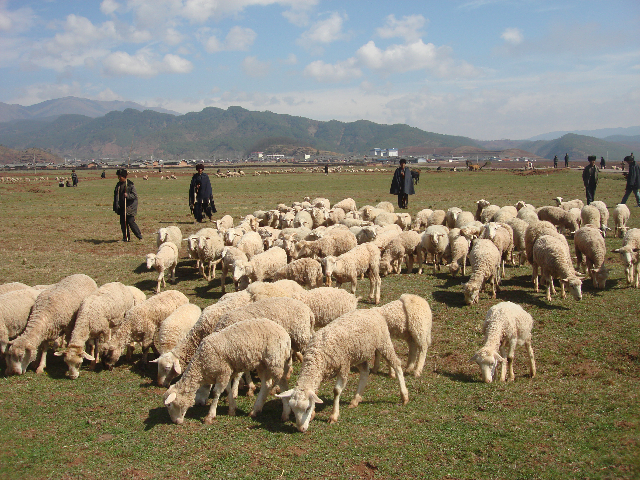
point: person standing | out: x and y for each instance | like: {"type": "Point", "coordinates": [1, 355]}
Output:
{"type": "Point", "coordinates": [566, 160]}
{"type": "Point", "coordinates": [633, 179]}
{"type": "Point", "coordinates": [402, 184]}
{"type": "Point", "coordinates": [201, 195]}
{"type": "Point", "coordinates": [602, 163]}
{"type": "Point", "coordinates": [125, 204]}
{"type": "Point", "coordinates": [590, 178]}
{"type": "Point", "coordinates": [74, 178]}
{"type": "Point", "coordinates": [555, 161]}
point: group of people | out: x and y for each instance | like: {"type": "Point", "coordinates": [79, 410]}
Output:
{"type": "Point", "coordinates": [590, 178]}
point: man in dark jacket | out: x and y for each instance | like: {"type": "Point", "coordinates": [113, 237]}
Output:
{"type": "Point", "coordinates": [74, 178]}
{"type": "Point", "coordinates": [566, 160]}
{"type": "Point", "coordinates": [603, 164]}
{"type": "Point", "coordinates": [201, 195]}
{"type": "Point", "coordinates": [633, 179]}
{"type": "Point", "coordinates": [590, 178]}
{"type": "Point", "coordinates": [402, 184]}
{"type": "Point", "coordinates": [555, 161]}
{"type": "Point", "coordinates": [125, 195]}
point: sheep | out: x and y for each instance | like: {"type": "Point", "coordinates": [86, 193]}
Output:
{"type": "Point", "coordinates": [387, 206]}
{"type": "Point", "coordinates": [403, 220]}
{"type": "Point", "coordinates": [348, 205]}
{"type": "Point", "coordinates": [590, 215]}
{"type": "Point", "coordinates": [621, 214]}
{"type": "Point", "coordinates": [321, 202]}
{"type": "Point", "coordinates": [230, 257]}
{"type": "Point", "coordinates": [451, 215]}
{"type": "Point", "coordinates": [364, 233]}
{"type": "Point", "coordinates": [630, 256]}
{"type": "Point", "coordinates": [481, 205]}
{"type": "Point", "coordinates": [138, 295]}
{"type": "Point", "coordinates": [327, 303]}
{"type": "Point", "coordinates": [15, 308]}
{"type": "Point", "coordinates": [257, 344]}
{"type": "Point", "coordinates": [165, 259]}
{"type": "Point", "coordinates": [604, 215]}
{"type": "Point", "coordinates": [551, 256]}
{"type": "Point", "coordinates": [363, 259]}
{"type": "Point", "coordinates": [348, 341]}
{"type": "Point", "coordinates": [434, 240]}
{"type": "Point", "coordinates": [251, 244]}
{"type": "Point", "coordinates": [488, 212]}
{"type": "Point", "coordinates": [437, 217]}
{"type": "Point", "coordinates": [11, 286]}
{"type": "Point", "coordinates": [336, 243]}
{"type": "Point", "coordinates": [502, 235]}
{"type": "Point", "coordinates": [305, 271]}
{"type": "Point", "coordinates": [210, 249]}
{"type": "Point", "coordinates": [505, 213]}
{"type": "Point", "coordinates": [171, 364]}
{"type": "Point", "coordinates": [52, 315]}
{"type": "Point", "coordinates": [225, 223]}
{"type": "Point", "coordinates": [421, 220]}
{"type": "Point", "coordinates": [536, 230]}
{"type": "Point", "coordinates": [384, 235]}
{"type": "Point", "coordinates": [403, 246]}
{"type": "Point", "coordinates": [527, 214]}
{"type": "Point", "coordinates": [319, 216]}
{"type": "Point", "coordinates": [522, 204]}
{"type": "Point", "coordinates": [505, 326]}
{"type": "Point", "coordinates": [303, 219]}
{"type": "Point", "coordinates": [169, 234]}
{"type": "Point", "coordinates": [335, 216]}
{"type": "Point", "coordinates": [519, 229]}
{"type": "Point", "coordinates": [261, 267]}
{"type": "Point", "coordinates": [459, 249]}
{"type": "Point", "coordinates": [577, 203]}
{"type": "Point", "coordinates": [588, 242]}
{"type": "Point", "coordinates": [463, 219]}
{"type": "Point", "coordinates": [409, 319]}
{"type": "Point", "coordinates": [140, 324]}
{"type": "Point", "coordinates": [370, 213]}
{"type": "Point", "coordinates": [485, 263]}
{"type": "Point", "coordinates": [385, 218]}
{"type": "Point", "coordinates": [98, 316]}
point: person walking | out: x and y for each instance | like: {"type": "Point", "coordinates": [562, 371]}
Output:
{"type": "Point", "coordinates": [633, 179]}
{"type": "Point", "coordinates": [125, 204]}
{"type": "Point", "coordinates": [201, 195]}
{"type": "Point", "coordinates": [402, 184]}
{"type": "Point", "coordinates": [566, 160]}
{"type": "Point", "coordinates": [590, 178]}
{"type": "Point", "coordinates": [74, 178]}
{"type": "Point", "coordinates": [602, 163]}
{"type": "Point", "coordinates": [555, 161]}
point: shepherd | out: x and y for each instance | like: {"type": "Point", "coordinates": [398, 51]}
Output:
{"type": "Point", "coordinates": [201, 195]}
{"type": "Point", "coordinates": [125, 204]}
{"type": "Point", "coordinates": [402, 184]}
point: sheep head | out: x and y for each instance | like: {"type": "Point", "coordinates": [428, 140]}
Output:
{"type": "Point", "coordinates": [168, 368]}
{"type": "Point", "coordinates": [471, 293]}
{"type": "Point", "coordinates": [151, 260]}
{"type": "Point", "coordinates": [487, 359]}
{"type": "Point", "coordinates": [574, 285]}
{"type": "Point", "coordinates": [176, 404]}
{"type": "Point", "coordinates": [73, 357]}
{"type": "Point", "coordinates": [18, 359]}
{"type": "Point", "coordinates": [303, 404]}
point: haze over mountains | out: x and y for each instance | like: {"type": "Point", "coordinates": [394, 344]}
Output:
{"type": "Point", "coordinates": [77, 127]}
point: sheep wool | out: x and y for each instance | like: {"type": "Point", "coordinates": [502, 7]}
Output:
{"type": "Point", "coordinates": [551, 256]}
{"type": "Point", "coordinates": [485, 263]}
{"type": "Point", "coordinates": [305, 271]}
{"type": "Point", "coordinates": [15, 308]}
{"type": "Point", "coordinates": [327, 303]}
{"type": "Point", "coordinates": [348, 267]}
{"type": "Point", "coordinates": [591, 250]}
{"type": "Point", "coordinates": [165, 259]}
{"type": "Point", "coordinates": [11, 286]}
{"type": "Point", "coordinates": [630, 256]}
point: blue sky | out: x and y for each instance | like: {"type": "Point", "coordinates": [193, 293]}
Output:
{"type": "Point", "coordinates": [487, 69]}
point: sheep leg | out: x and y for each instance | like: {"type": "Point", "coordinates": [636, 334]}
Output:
{"type": "Point", "coordinates": [173, 273]}
{"type": "Point", "coordinates": [217, 390]}
{"type": "Point", "coordinates": [411, 361]}
{"type": "Point", "coordinates": [421, 353]}
{"type": "Point", "coordinates": [362, 382]}
{"type": "Point", "coordinates": [283, 384]}
{"type": "Point", "coordinates": [248, 381]}
{"type": "Point", "coordinates": [202, 394]}
{"type": "Point", "coordinates": [354, 284]}
{"type": "Point", "coordinates": [224, 277]}
{"type": "Point", "coordinates": [234, 384]}
{"type": "Point", "coordinates": [376, 362]}
{"type": "Point", "coordinates": [389, 354]}
{"type": "Point", "coordinates": [532, 360]}
{"type": "Point", "coordinates": [265, 386]}
{"type": "Point", "coordinates": [341, 381]}
{"type": "Point", "coordinates": [43, 357]}
{"type": "Point", "coordinates": [534, 276]}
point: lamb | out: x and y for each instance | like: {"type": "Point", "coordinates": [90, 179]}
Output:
{"type": "Point", "coordinates": [502, 235]}
{"type": "Point", "coordinates": [437, 217]}
{"type": "Point", "coordinates": [630, 256]}
{"type": "Point", "coordinates": [364, 233]}
{"type": "Point", "coordinates": [303, 219]}
{"type": "Point", "coordinates": [551, 256]}
{"type": "Point", "coordinates": [165, 259]}
{"type": "Point", "coordinates": [327, 303]}
{"type": "Point", "coordinates": [257, 344]}
{"type": "Point", "coordinates": [463, 219]}
{"type": "Point", "coordinates": [485, 262]}
{"type": "Point", "coordinates": [403, 220]}
{"type": "Point", "coordinates": [505, 326]}
{"type": "Point", "coordinates": [15, 308]}
{"type": "Point", "coordinates": [590, 215]}
{"type": "Point", "coordinates": [577, 203]}
{"type": "Point", "coordinates": [335, 216]}
{"type": "Point", "coordinates": [305, 271]}
{"type": "Point", "coordinates": [348, 205]}
{"type": "Point", "coordinates": [435, 241]}
{"type": "Point", "coordinates": [370, 213]}
{"type": "Point", "coordinates": [225, 223]}
{"type": "Point", "coordinates": [210, 249]}
{"type": "Point", "coordinates": [588, 242]}
{"type": "Point", "coordinates": [387, 206]}
{"type": "Point", "coordinates": [351, 340]}
{"type": "Point", "coordinates": [98, 316]}
{"type": "Point", "coordinates": [52, 315]}
{"type": "Point", "coordinates": [519, 229]}
{"type": "Point", "coordinates": [421, 220]}
{"type": "Point", "coordinates": [319, 216]}
{"type": "Point", "coordinates": [459, 249]}
{"type": "Point", "coordinates": [11, 286]}
{"type": "Point", "coordinates": [141, 323]}
{"type": "Point", "coordinates": [336, 243]}
{"type": "Point", "coordinates": [261, 267]}
{"type": "Point", "coordinates": [363, 259]}
{"type": "Point", "coordinates": [230, 257]}
{"type": "Point", "coordinates": [409, 319]}
{"type": "Point", "coordinates": [403, 246]}
{"type": "Point", "coordinates": [169, 234]}
{"type": "Point", "coordinates": [251, 244]}
{"type": "Point", "coordinates": [604, 215]}
{"type": "Point", "coordinates": [621, 214]}
{"type": "Point", "coordinates": [451, 215]}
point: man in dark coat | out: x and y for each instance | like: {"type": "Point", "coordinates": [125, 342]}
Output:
{"type": "Point", "coordinates": [201, 195]}
{"type": "Point", "coordinates": [74, 178]}
{"type": "Point", "coordinates": [566, 160]}
{"type": "Point", "coordinates": [125, 194]}
{"type": "Point", "coordinates": [590, 178]}
{"type": "Point", "coordinates": [402, 184]}
{"type": "Point", "coordinates": [602, 162]}
{"type": "Point", "coordinates": [555, 161]}
{"type": "Point", "coordinates": [633, 179]}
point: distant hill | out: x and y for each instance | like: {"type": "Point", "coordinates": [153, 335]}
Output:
{"type": "Point", "coordinates": [52, 109]}
{"type": "Point", "coordinates": [8, 156]}
{"type": "Point", "coordinates": [600, 133]}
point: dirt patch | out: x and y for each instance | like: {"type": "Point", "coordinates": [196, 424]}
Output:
{"type": "Point", "coordinates": [365, 470]}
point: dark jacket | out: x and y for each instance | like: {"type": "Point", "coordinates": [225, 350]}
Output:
{"type": "Point", "coordinates": [633, 177]}
{"type": "Point", "coordinates": [402, 185]}
{"type": "Point", "coordinates": [200, 189]}
{"type": "Point", "coordinates": [590, 176]}
{"type": "Point", "coordinates": [132, 198]}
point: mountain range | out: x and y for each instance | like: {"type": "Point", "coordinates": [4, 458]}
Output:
{"type": "Point", "coordinates": [82, 128]}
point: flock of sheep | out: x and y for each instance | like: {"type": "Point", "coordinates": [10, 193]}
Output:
{"type": "Point", "coordinates": [271, 319]}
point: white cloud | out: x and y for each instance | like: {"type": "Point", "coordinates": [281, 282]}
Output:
{"type": "Point", "coordinates": [324, 32]}
{"type": "Point", "coordinates": [143, 64]}
{"type": "Point", "coordinates": [401, 58]}
{"type": "Point", "coordinates": [513, 36]}
{"type": "Point", "coordinates": [328, 73]}
{"type": "Point", "coordinates": [107, 95]}
{"type": "Point", "coordinates": [253, 67]}
{"type": "Point", "coordinates": [409, 27]}
{"type": "Point", "coordinates": [173, 37]}
{"type": "Point", "coordinates": [238, 39]}
{"type": "Point", "coordinates": [15, 21]}
{"type": "Point", "coordinates": [290, 60]}
{"type": "Point", "coordinates": [109, 6]}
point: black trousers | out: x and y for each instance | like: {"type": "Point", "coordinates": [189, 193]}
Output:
{"type": "Point", "coordinates": [403, 200]}
{"type": "Point", "coordinates": [129, 222]}
{"type": "Point", "coordinates": [200, 209]}
{"type": "Point", "coordinates": [591, 193]}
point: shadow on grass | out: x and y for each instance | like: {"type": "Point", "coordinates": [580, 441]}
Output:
{"type": "Point", "coordinates": [458, 377]}
{"type": "Point", "coordinates": [96, 241]}
{"type": "Point", "coordinates": [157, 416]}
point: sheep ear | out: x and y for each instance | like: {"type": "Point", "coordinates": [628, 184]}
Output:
{"type": "Point", "coordinates": [176, 367]}
{"type": "Point", "coordinates": [155, 360]}
{"type": "Point", "coordinates": [86, 356]}
{"type": "Point", "coordinates": [59, 353]}
{"type": "Point", "coordinates": [172, 396]}
{"type": "Point", "coordinates": [498, 357]}
{"type": "Point", "coordinates": [475, 358]}
{"type": "Point", "coordinates": [286, 394]}
{"type": "Point", "coordinates": [616, 250]}
{"type": "Point", "coordinates": [314, 397]}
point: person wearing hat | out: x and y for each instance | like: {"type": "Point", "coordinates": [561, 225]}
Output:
{"type": "Point", "coordinates": [590, 178]}
{"type": "Point", "coordinates": [555, 161]}
{"type": "Point", "coordinates": [125, 204]}
{"type": "Point", "coordinates": [201, 195]}
{"type": "Point", "coordinates": [633, 179]}
{"type": "Point", "coordinates": [74, 178]}
{"type": "Point", "coordinates": [566, 160]}
{"type": "Point", "coordinates": [402, 184]}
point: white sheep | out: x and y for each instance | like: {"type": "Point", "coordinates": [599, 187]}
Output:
{"type": "Point", "coordinates": [505, 213]}
{"type": "Point", "coordinates": [230, 257]}
{"type": "Point", "coordinates": [348, 205]}
{"type": "Point", "coordinates": [621, 214]}
{"type": "Point", "coordinates": [459, 250]}
{"type": "Point", "coordinates": [11, 286]}
{"type": "Point", "coordinates": [166, 258]}
{"type": "Point", "coordinates": [502, 235]}
{"type": "Point", "coordinates": [257, 344]}
{"type": "Point", "coordinates": [348, 267]}
{"type": "Point", "coordinates": [485, 263]}
{"type": "Point", "coordinates": [463, 219]}
{"type": "Point", "coordinates": [630, 256]}
{"type": "Point", "coordinates": [434, 241]}
{"type": "Point", "coordinates": [536, 230]}
{"type": "Point", "coordinates": [590, 215]}
{"type": "Point", "coordinates": [52, 316]}
{"type": "Point", "coordinates": [327, 303]}
{"type": "Point", "coordinates": [561, 218]}
{"type": "Point", "coordinates": [488, 212]}
{"type": "Point", "coordinates": [171, 234]}
{"type": "Point", "coordinates": [251, 244]}
{"type": "Point", "coordinates": [519, 230]}
{"type": "Point", "coordinates": [551, 257]}
{"type": "Point", "coordinates": [577, 203]}
{"type": "Point", "coordinates": [384, 235]}
{"type": "Point", "coordinates": [140, 324]}
{"type": "Point", "coordinates": [604, 215]}
{"type": "Point", "coordinates": [260, 268]}
{"type": "Point", "coordinates": [505, 326]}
{"type": "Point", "coordinates": [349, 341]}
{"type": "Point", "coordinates": [321, 202]}
{"type": "Point", "coordinates": [421, 220]}
{"type": "Point", "coordinates": [210, 249]}
{"type": "Point", "coordinates": [528, 214]}
{"type": "Point", "coordinates": [303, 219]}
{"type": "Point", "coordinates": [385, 205]}
{"type": "Point", "coordinates": [336, 243]}
{"type": "Point", "coordinates": [364, 233]}
{"type": "Point", "coordinates": [225, 223]}
{"type": "Point", "coordinates": [589, 243]}
{"type": "Point", "coordinates": [437, 217]}
{"type": "Point", "coordinates": [279, 288]}
{"type": "Point", "coordinates": [15, 308]}
{"type": "Point", "coordinates": [404, 246]}
{"type": "Point", "coordinates": [305, 271]}
{"type": "Point", "coordinates": [385, 218]}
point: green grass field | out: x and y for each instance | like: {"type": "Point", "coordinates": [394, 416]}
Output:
{"type": "Point", "coordinates": [578, 418]}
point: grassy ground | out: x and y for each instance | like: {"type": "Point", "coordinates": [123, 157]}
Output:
{"type": "Point", "coordinates": [577, 419]}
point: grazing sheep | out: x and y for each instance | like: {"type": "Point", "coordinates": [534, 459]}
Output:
{"type": "Point", "coordinates": [519, 229]}
{"type": "Point", "coordinates": [434, 241]}
{"type": "Point", "coordinates": [99, 315]}
{"type": "Point", "coordinates": [421, 220]}
{"type": "Point", "coordinates": [169, 234]}
{"type": "Point", "coordinates": [52, 316]}
{"type": "Point", "coordinates": [485, 263]}
{"type": "Point", "coordinates": [621, 214]}
{"type": "Point", "coordinates": [488, 212]}
{"type": "Point", "coordinates": [505, 326]}
{"type": "Point", "coordinates": [364, 233]}
{"type": "Point", "coordinates": [321, 202]}
{"type": "Point", "coordinates": [350, 341]}
{"type": "Point", "coordinates": [251, 244]}
{"type": "Point", "coordinates": [404, 246]}
{"type": "Point", "coordinates": [384, 235]}
{"type": "Point", "coordinates": [348, 205]}
{"type": "Point", "coordinates": [261, 267]}
{"type": "Point", "coordinates": [527, 214]}
{"type": "Point", "coordinates": [604, 215]}
{"type": "Point", "coordinates": [505, 213]}
{"type": "Point", "coordinates": [551, 256]}
{"type": "Point", "coordinates": [577, 203]}
{"type": "Point", "coordinates": [279, 288]}
{"type": "Point", "coordinates": [370, 213]}
{"type": "Point", "coordinates": [385, 218]}
{"type": "Point", "coordinates": [348, 267]}
{"type": "Point", "coordinates": [463, 219]}
{"type": "Point", "coordinates": [536, 230]}
{"type": "Point", "coordinates": [141, 323]}
{"type": "Point", "coordinates": [210, 249]}
{"type": "Point", "coordinates": [305, 271]}
{"type": "Point", "coordinates": [336, 243]}
{"type": "Point", "coordinates": [459, 249]}
{"type": "Point", "coordinates": [303, 219]}
{"type": "Point", "coordinates": [11, 286]}
{"type": "Point", "coordinates": [327, 303]}
{"type": "Point", "coordinates": [502, 235]}
{"type": "Point", "coordinates": [588, 242]}
{"type": "Point", "coordinates": [335, 216]}
{"type": "Point", "coordinates": [225, 223]}
{"type": "Point", "coordinates": [387, 206]}
{"type": "Point", "coordinates": [437, 217]}
{"type": "Point", "coordinates": [230, 257]}
{"type": "Point", "coordinates": [403, 220]}
{"type": "Point", "coordinates": [630, 256]}
{"type": "Point", "coordinates": [590, 215]}
{"type": "Point", "coordinates": [165, 259]}
{"type": "Point", "coordinates": [15, 308]}
{"type": "Point", "coordinates": [257, 344]}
